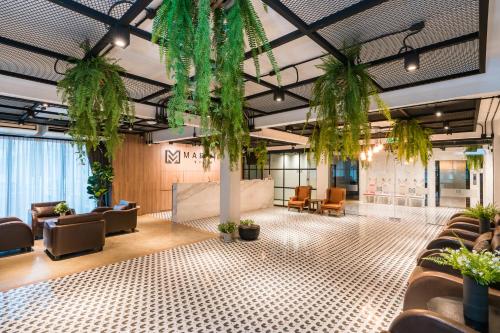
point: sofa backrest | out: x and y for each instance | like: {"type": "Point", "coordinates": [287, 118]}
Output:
{"type": "Point", "coordinates": [335, 194]}
{"type": "Point", "coordinates": [80, 218]}
{"type": "Point", "coordinates": [303, 192]}
{"type": "Point", "coordinates": [495, 241]}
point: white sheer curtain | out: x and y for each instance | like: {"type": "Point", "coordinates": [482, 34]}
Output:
{"type": "Point", "coordinates": [39, 170]}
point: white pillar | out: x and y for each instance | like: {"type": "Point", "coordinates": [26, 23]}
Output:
{"type": "Point", "coordinates": [322, 178]}
{"type": "Point", "coordinates": [229, 191]}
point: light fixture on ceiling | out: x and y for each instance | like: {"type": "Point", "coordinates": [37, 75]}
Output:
{"type": "Point", "coordinates": [194, 133]}
{"type": "Point", "coordinates": [45, 105]}
{"type": "Point", "coordinates": [411, 56]}
{"type": "Point", "coordinates": [121, 35]}
{"type": "Point", "coordinates": [151, 122]}
{"type": "Point", "coordinates": [446, 126]}
{"type": "Point", "coordinates": [130, 127]}
{"type": "Point", "coordinates": [362, 156]}
{"type": "Point", "coordinates": [439, 113]}
{"type": "Point", "coordinates": [279, 94]}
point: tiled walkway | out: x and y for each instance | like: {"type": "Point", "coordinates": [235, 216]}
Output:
{"type": "Point", "coordinates": [307, 273]}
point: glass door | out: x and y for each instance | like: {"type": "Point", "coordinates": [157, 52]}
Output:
{"type": "Point", "coordinates": [346, 174]}
{"type": "Point", "coordinates": [452, 184]}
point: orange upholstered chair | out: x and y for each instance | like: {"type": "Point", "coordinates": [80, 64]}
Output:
{"type": "Point", "coordinates": [335, 200]}
{"type": "Point", "coordinates": [301, 198]}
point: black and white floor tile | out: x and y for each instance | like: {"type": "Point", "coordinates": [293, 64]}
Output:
{"type": "Point", "coordinates": [307, 273]}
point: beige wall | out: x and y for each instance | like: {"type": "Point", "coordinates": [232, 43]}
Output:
{"type": "Point", "coordinates": [142, 173]}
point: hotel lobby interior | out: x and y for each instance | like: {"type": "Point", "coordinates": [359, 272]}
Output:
{"type": "Point", "coordinates": [250, 166]}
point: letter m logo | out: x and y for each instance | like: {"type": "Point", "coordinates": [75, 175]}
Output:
{"type": "Point", "coordinates": [173, 157]}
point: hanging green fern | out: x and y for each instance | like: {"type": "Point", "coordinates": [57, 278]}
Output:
{"type": "Point", "coordinates": [261, 154]}
{"type": "Point", "coordinates": [97, 100]}
{"type": "Point", "coordinates": [410, 141]}
{"type": "Point", "coordinates": [474, 162]}
{"type": "Point", "coordinates": [341, 100]}
{"type": "Point", "coordinates": [181, 28]}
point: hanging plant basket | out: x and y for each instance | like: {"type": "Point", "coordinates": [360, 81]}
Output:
{"type": "Point", "coordinates": [410, 141]}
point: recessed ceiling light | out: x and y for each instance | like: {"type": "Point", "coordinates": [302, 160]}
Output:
{"type": "Point", "coordinates": [439, 113]}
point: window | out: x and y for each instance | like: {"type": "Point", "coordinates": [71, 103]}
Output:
{"type": "Point", "coordinates": [288, 170]}
{"type": "Point", "coordinates": [39, 170]}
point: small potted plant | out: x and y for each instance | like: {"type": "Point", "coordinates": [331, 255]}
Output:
{"type": "Point", "coordinates": [248, 230]}
{"type": "Point", "coordinates": [227, 229]}
{"type": "Point", "coordinates": [479, 270]}
{"type": "Point", "coordinates": [61, 208]}
{"type": "Point", "coordinates": [485, 214]}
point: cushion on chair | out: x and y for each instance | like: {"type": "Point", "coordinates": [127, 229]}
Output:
{"type": "Point", "coordinates": [331, 205]}
{"type": "Point", "coordinates": [296, 203]}
{"type": "Point", "coordinates": [45, 211]}
{"type": "Point", "coordinates": [120, 207]}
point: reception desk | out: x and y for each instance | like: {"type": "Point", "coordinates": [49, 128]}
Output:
{"type": "Point", "coordinates": [192, 201]}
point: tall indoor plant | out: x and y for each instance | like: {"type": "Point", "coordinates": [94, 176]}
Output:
{"type": "Point", "coordinates": [210, 35]}
{"type": "Point", "coordinates": [260, 152]}
{"type": "Point", "coordinates": [485, 215]}
{"type": "Point", "coordinates": [410, 141]}
{"type": "Point", "coordinates": [341, 100]}
{"type": "Point", "coordinates": [97, 102]}
{"type": "Point", "coordinates": [99, 182]}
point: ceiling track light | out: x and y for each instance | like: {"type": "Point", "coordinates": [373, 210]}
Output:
{"type": "Point", "coordinates": [439, 113]}
{"type": "Point", "coordinates": [411, 56]}
{"type": "Point", "coordinates": [120, 35]}
{"type": "Point", "coordinates": [279, 94]}
{"type": "Point", "coordinates": [446, 125]}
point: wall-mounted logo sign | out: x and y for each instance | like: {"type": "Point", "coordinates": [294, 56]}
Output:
{"type": "Point", "coordinates": [173, 157]}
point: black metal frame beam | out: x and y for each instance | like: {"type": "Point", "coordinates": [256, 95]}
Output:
{"type": "Point", "coordinates": [271, 86]}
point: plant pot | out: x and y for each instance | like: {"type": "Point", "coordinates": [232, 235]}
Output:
{"type": "Point", "coordinates": [249, 233]}
{"type": "Point", "coordinates": [63, 214]}
{"type": "Point", "coordinates": [484, 226]}
{"type": "Point", "coordinates": [475, 299]}
{"type": "Point", "coordinates": [227, 238]}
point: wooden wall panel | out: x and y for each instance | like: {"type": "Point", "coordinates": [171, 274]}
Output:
{"type": "Point", "coordinates": [143, 175]}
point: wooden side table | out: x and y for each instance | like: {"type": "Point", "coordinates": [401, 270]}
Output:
{"type": "Point", "coordinates": [314, 205]}
{"type": "Point", "coordinates": [452, 308]}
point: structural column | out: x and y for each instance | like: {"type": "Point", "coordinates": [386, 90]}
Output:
{"type": "Point", "coordinates": [229, 191]}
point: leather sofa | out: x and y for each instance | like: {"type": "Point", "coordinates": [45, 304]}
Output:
{"type": "Point", "coordinates": [418, 321]}
{"type": "Point", "coordinates": [15, 234]}
{"type": "Point", "coordinates": [335, 200]}
{"type": "Point", "coordinates": [121, 217]}
{"type": "Point", "coordinates": [41, 212]}
{"type": "Point", "coordinates": [74, 233]}
{"type": "Point", "coordinates": [301, 198]}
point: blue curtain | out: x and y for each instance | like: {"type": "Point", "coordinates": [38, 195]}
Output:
{"type": "Point", "coordinates": [40, 170]}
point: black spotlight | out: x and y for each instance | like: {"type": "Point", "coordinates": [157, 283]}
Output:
{"type": "Point", "coordinates": [412, 61]}
{"type": "Point", "coordinates": [121, 35]}
{"type": "Point", "coordinates": [279, 95]}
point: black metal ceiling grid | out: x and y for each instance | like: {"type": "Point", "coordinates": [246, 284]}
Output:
{"type": "Point", "coordinates": [444, 20]}
{"type": "Point", "coordinates": [267, 103]}
{"type": "Point", "coordinates": [457, 59]}
{"type": "Point", "coordinates": [49, 26]}
{"type": "Point", "coordinates": [104, 6]}
{"type": "Point", "coordinates": [313, 10]}
{"type": "Point", "coordinates": [304, 90]}
{"type": "Point", "coordinates": [28, 63]}
{"type": "Point", "coordinates": [138, 90]}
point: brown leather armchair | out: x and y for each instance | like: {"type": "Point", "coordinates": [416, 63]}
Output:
{"type": "Point", "coordinates": [41, 212]}
{"type": "Point", "coordinates": [301, 198]}
{"type": "Point", "coordinates": [335, 200]}
{"type": "Point", "coordinates": [418, 321]}
{"type": "Point", "coordinates": [15, 234]}
{"type": "Point", "coordinates": [120, 218]}
{"type": "Point", "coordinates": [74, 233]}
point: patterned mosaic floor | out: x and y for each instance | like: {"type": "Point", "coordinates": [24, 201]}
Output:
{"type": "Point", "coordinates": [307, 273]}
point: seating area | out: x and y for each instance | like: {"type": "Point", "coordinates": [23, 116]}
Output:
{"type": "Point", "coordinates": [256, 166]}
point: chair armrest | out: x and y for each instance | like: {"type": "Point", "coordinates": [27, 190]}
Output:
{"type": "Point", "coordinates": [451, 242]}
{"type": "Point", "coordinates": [419, 320]}
{"type": "Point", "coordinates": [324, 201]}
{"type": "Point", "coordinates": [101, 209]}
{"type": "Point", "coordinates": [460, 233]}
{"type": "Point", "coordinates": [120, 212]}
{"type": "Point", "coordinates": [464, 226]}
{"type": "Point", "coordinates": [294, 198]}
{"type": "Point", "coordinates": [10, 219]}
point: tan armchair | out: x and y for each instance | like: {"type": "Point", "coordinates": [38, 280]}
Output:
{"type": "Point", "coordinates": [41, 212]}
{"type": "Point", "coordinates": [15, 234]}
{"type": "Point", "coordinates": [335, 200]}
{"type": "Point", "coordinates": [301, 198]}
{"type": "Point", "coordinates": [121, 217]}
{"type": "Point", "coordinates": [74, 233]}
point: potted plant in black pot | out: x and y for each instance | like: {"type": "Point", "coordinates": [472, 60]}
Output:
{"type": "Point", "coordinates": [227, 229]}
{"type": "Point", "coordinates": [479, 270]}
{"type": "Point", "coordinates": [485, 214]}
{"type": "Point", "coordinates": [248, 230]}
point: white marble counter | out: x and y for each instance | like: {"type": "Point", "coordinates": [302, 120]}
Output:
{"type": "Point", "coordinates": [192, 201]}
